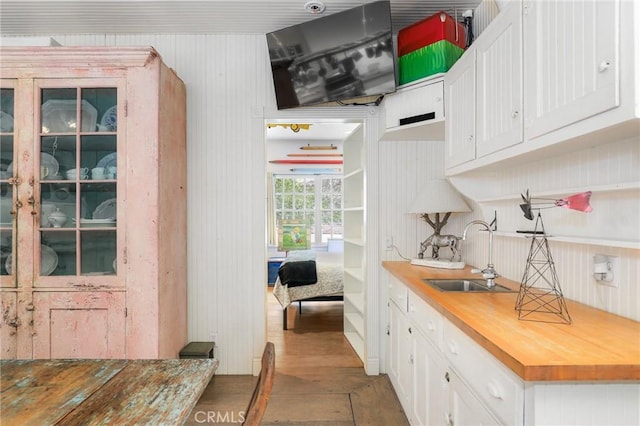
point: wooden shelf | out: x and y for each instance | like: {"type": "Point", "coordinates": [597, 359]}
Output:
{"type": "Point", "coordinates": [355, 273]}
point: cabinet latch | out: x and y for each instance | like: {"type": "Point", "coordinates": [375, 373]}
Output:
{"type": "Point", "coordinates": [15, 181]}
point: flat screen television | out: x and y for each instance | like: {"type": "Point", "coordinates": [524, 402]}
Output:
{"type": "Point", "coordinates": [338, 57]}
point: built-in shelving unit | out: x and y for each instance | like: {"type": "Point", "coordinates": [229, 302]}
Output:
{"type": "Point", "coordinates": [354, 210]}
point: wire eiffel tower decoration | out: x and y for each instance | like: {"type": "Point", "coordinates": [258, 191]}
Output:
{"type": "Point", "coordinates": [540, 297]}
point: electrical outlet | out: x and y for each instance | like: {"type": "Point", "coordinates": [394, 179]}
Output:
{"type": "Point", "coordinates": [389, 243]}
{"type": "Point", "coordinates": [214, 338]}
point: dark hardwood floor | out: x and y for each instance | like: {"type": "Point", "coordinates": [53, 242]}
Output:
{"type": "Point", "coordinates": [319, 378]}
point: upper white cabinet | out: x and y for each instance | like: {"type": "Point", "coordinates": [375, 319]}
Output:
{"type": "Point", "coordinates": [484, 92]}
{"type": "Point", "coordinates": [416, 111]}
{"type": "Point", "coordinates": [550, 76]}
{"type": "Point", "coordinates": [499, 84]}
{"type": "Point", "coordinates": [572, 67]}
{"type": "Point", "coordinates": [460, 84]}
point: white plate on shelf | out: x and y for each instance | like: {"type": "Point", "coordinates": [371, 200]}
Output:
{"type": "Point", "coordinates": [59, 115]}
{"type": "Point", "coordinates": [105, 210]}
{"type": "Point", "coordinates": [108, 160]}
{"type": "Point", "coordinates": [110, 119]}
{"type": "Point", "coordinates": [97, 223]}
{"type": "Point", "coordinates": [46, 160]}
{"type": "Point", "coordinates": [48, 261]}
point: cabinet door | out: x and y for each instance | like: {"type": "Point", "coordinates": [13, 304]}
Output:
{"type": "Point", "coordinates": [400, 356]}
{"type": "Point", "coordinates": [460, 92]}
{"type": "Point", "coordinates": [76, 234]}
{"type": "Point", "coordinates": [79, 325]}
{"type": "Point", "coordinates": [466, 408]}
{"type": "Point", "coordinates": [430, 388]}
{"type": "Point", "coordinates": [571, 62]}
{"type": "Point", "coordinates": [499, 83]}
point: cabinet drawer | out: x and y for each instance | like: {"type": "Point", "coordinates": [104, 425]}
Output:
{"type": "Point", "coordinates": [412, 105]}
{"type": "Point", "coordinates": [398, 293]}
{"type": "Point", "coordinates": [426, 318]}
{"type": "Point", "coordinates": [494, 384]}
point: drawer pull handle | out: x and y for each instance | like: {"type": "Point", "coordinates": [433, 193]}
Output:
{"type": "Point", "coordinates": [604, 65]}
{"type": "Point", "coordinates": [494, 390]}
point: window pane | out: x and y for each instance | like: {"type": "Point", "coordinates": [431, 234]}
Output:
{"type": "Point", "coordinates": [310, 201]}
{"type": "Point", "coordinates": [326, 202]}
{"type": "Point", "coordinates": [299, 202]}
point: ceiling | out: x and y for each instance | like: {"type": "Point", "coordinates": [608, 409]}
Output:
{"type": "Point", "coordinates": [50, 17]}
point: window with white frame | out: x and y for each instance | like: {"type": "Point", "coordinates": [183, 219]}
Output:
{"type": "Point", "coordinates": [313, 200]}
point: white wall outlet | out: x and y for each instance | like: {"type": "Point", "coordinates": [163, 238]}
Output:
{"type": "Point", "coordinates": [213, 337]}
{"type": "Point", "coordinates": [606, 270]}
{"type": "Point", "coordinates": [389, 243]}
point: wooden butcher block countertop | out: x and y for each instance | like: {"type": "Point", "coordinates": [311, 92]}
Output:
{"type": "Point", "coordinates": [596, 346]}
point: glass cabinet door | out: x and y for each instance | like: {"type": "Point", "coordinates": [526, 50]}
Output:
{"type": "Point", "coordinates": [6, 185]}
{"type": "Point", "coordinates": [78, 181]}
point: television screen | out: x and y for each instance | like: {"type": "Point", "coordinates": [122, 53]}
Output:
{"type": "Point", "coordinates": [341, 56]}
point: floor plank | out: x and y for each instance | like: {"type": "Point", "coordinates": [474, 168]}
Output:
{"type": "Point", "coordinates": [319, 379]}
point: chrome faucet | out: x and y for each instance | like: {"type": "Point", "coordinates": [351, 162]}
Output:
{"type": "Point", "coordinates": [489, 273]}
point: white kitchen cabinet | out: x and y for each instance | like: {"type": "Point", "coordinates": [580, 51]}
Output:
{"type": "Point", "coordinates": [551, 77]}
{"type": "Point", "coordinates": [418, 369]}
{"type": "Point", "coordinates": [416, 111]}
{"type": "Point", "coordinates": [401, 356]}
{"type": "Point", "coordinates": [460, 89]}
{"type": "Point", "coordinates": [484, 92]}
{"type": "Point", "coordinates": [458, 382]}
{"type": "Point", "coordinates": [572, 67]}
{"type": "Point", "coordinates": [430, 390]}
{"type": "Point", "coordinates": [465, 409]}
{"type": "Point", "coordinates": [499, 114]}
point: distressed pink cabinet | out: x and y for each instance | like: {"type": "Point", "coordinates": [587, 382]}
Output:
{"type": "Point", "coordinates": [92, 204]}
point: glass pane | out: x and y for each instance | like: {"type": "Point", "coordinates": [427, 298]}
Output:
{"type": "Point", "coordinates": [104, 100]}
{"type": "Point", "coordinates": [299, 202]}
{"type": "Point", "coordinates": [98, 204]}
{"type": "Point", "coordinates": [98, 156]}
{"type": "Point", "coordinates": [59, 111]}
{"type": "Point", "coordinates": [57, 205]}
{"type": "Point", "coordinates": [310, 202]}
{"type": "Point", "coordinates": [6, 172]}
{"type": "Point", "coordinates": [58, 253]}
{"type": "Point", "coordinates": [337, 202]}
{"type": "Point", "coordinates": [311, 184]}
{"type": "Point", "coordinates": [6, 235]}
{"type": "Point", "coordinates": [326, 202]}
{"type": "Point", "coordinates": [98, 252]}
{"type": "Point", "coordinates": [6, 110]}
{"type": "Point", "coordinates": [57, 157]}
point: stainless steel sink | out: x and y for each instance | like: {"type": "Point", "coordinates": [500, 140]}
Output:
{"type": "Point", "coordinates": [465, 285]}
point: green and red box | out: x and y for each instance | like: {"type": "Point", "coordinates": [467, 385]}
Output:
{"type": "Point", "coordinates": [429, 46]}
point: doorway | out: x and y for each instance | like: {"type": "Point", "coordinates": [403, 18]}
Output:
{"type": "Point", "coordinates": [304, 170]}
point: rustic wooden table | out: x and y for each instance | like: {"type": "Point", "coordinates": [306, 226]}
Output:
{"type": "Point", "coordinates": [87, 392]}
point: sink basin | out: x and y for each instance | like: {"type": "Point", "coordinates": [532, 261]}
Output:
{"type": "Point", "coordinates": [465, 285]}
